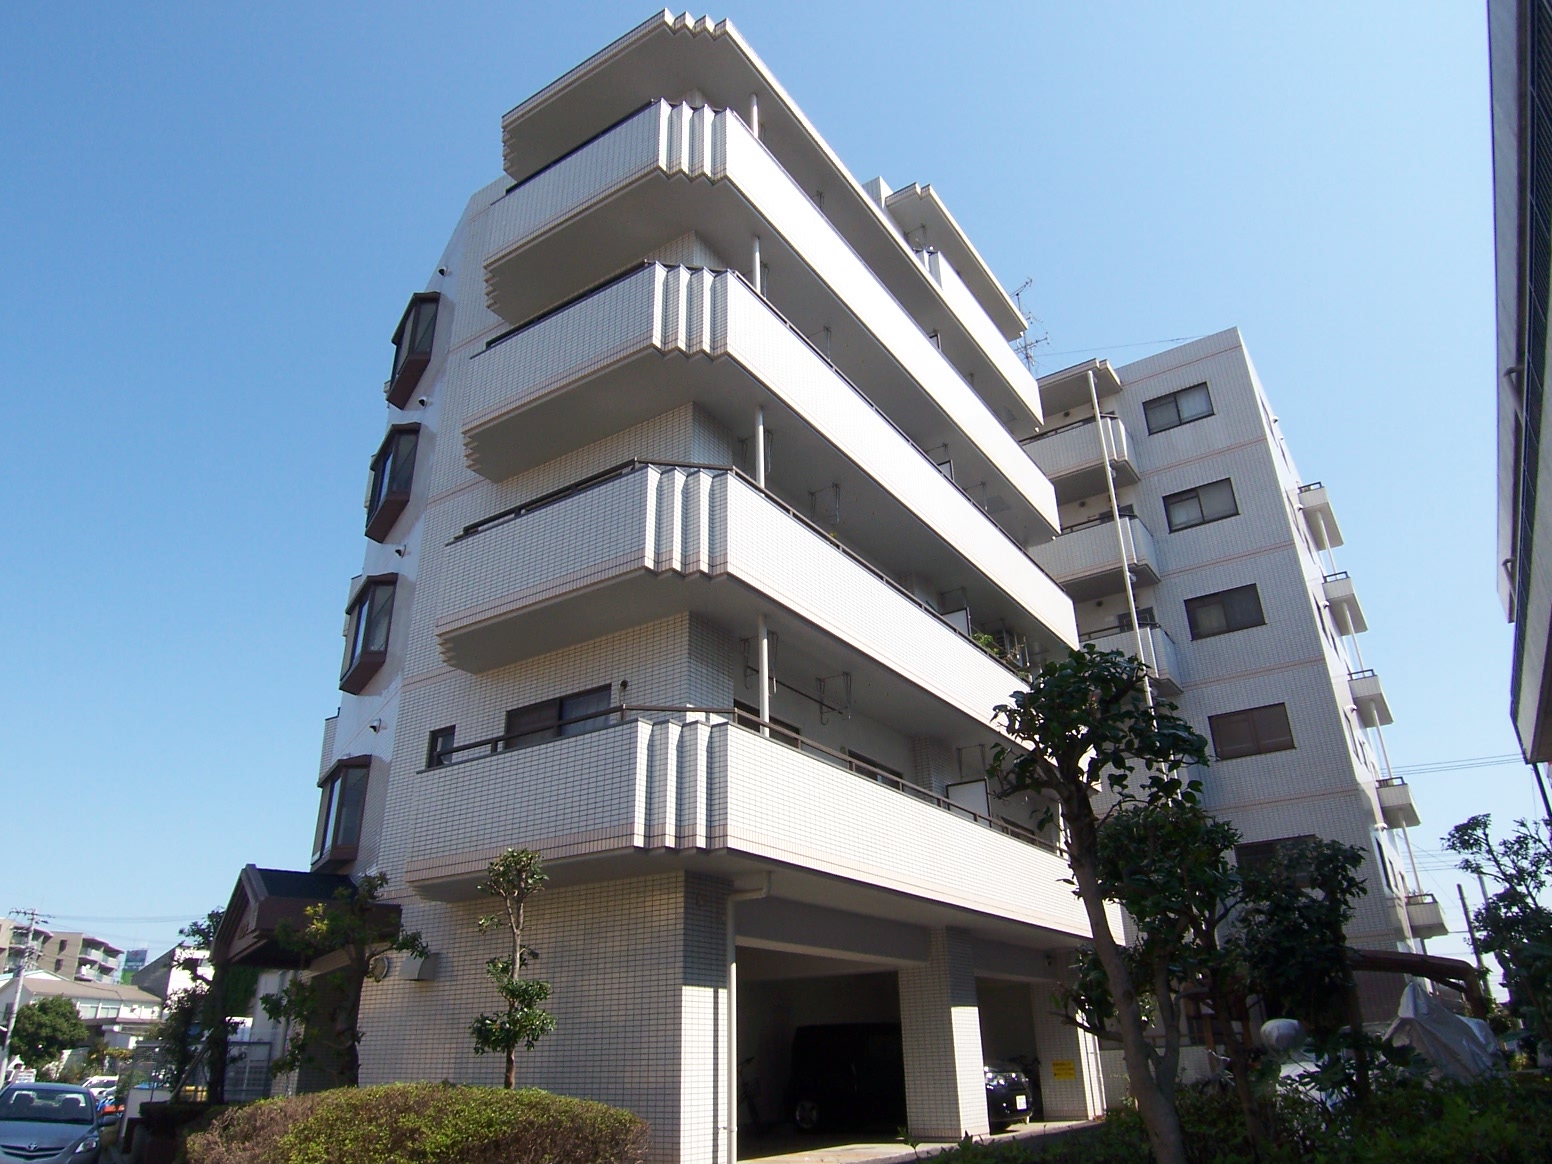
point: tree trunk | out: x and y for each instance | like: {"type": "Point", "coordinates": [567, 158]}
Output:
{"type": "Point", "coordinates": [1153, 1104]}
{"type": "Point", "coordinates": [1360, 1048]}
{"type": "Point", "coordinates": [511, 1077]}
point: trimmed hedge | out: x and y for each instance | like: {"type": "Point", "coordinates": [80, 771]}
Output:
{"type": "Point", "coordinates": [423, 1123]}
{"type": "Point", "coordinates": [1491, 1121]}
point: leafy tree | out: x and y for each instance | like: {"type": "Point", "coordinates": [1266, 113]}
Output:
{"type": "Point", "coordinates": [202, 1016]}
{"type": "Point", "coordinates": [514, 877]}
{"type": "Point", "coordinates": [1515, 923]}
{"type": "Point", "coordinates": [347, 934]}
{"type": "Point", "coordinates": [1089, 729]}
{"type": "Point", "coordinates": [45, 1029]}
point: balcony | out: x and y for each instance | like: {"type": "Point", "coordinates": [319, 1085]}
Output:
{"type": "Point", "coordinates": [1158, 652]}
{"type": "Point", "coordinates": [1086, 560]}
{"type": "Point", "coordinates": [1318, 516]}
{"type": "Point", "coordinates": [1369, 697]}
{"type": "Point", "coordinates": [1396, 804]}
{"type": "Point", "coordinates": [648, 541]}
{"type": "Point", "coordinates": [1425, 916]}
{"type": "Point", "coordinates": [658, 337]}
{"type": "Point", "coordinates": [671, 173]}
{"type": "Point", "coordinates": [1343, 600]}
{"type": "Point", "coordinates": [664, 784]}
{"type": "Point", "coordinates": [1072, 458]}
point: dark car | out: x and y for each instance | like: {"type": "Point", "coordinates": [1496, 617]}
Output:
{"type": "Point", "coordinates": [847, 1075]}
{"type": "Point", "coordinates": [1007, 1098]}
{"type": "Point", "coordinates": [48, 1123]}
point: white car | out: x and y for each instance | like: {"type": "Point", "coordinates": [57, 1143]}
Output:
{"type": "Point", "coordinates": [102, 1086]}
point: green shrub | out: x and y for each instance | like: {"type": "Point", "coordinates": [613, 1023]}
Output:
{"type": "Point", "coordinates": [1492, 1121]}
{"type": "Point", "coordinates": [423, 1123]}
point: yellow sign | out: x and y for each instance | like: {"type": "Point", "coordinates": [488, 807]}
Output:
{"type": "Point", "coordinates": [1064, 1069]}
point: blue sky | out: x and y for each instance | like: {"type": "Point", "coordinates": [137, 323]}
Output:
{"type": "Point", "coordinates": [213, 215]}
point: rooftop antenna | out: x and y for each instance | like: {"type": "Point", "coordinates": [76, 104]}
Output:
{"type": "Point", "coordinates": [1026, 344]}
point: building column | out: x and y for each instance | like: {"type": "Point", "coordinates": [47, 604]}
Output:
{"type": "Point", "coordinates": [705, 1069]}
{"type": "Point", "coordinates": [940, 1020]}
{"type": "Point", "coordinates": [1072, 1084]}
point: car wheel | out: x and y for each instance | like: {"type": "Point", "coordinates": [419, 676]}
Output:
{"type": "Point", "coordinates": [805, 1113]}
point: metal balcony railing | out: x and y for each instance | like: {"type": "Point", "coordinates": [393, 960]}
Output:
{"type": "Point", "coordinates": [623, 713]}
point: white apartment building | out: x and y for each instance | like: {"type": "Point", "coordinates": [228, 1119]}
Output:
{"type": "Point", "coordinates": [701, 464]}
{"type": "Point", "coordinates": [1231, 592]}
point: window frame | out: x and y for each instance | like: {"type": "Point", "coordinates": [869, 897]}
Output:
{"type": "Point", "coordinates": [361, 663]}
{"type": "Point", "coordinates": [439, 742]}
{"type": "Point", "coordinates": [1260, 739]}
{"type": "Point", "coordinates": [1204, 601]}
{"type": "Point", "coordinates": [384, 503]}
{"type": "Point", "coordinates": [1149, 407]}
{"type": "Point", "coordinates": [550, 721]}
{"type": "Point", "coordinates": [330, 848]}
{"type": "Point", "coordinates": [1184, 494]}
{"type": "Point", "coordinates": [409, 358]}
{"type": "Point", "coordinates": [1260, 854]}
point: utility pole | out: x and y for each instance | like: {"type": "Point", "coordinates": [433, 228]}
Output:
{"type": "Point", "coordinates": [33, 918]}
{"type": "Point", "coordinates": [1476, 949]}
{"type": "Point", "coordinates": [1542, 788]}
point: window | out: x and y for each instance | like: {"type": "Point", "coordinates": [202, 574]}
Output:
{"type": "Point", "coordinates": [1261, 855]}
{"type": "Point", "coordinates": [412, 342]}
{"type": "Point", "coordinates": [1211, 502]}
{"type": "Point", "coordinates": [339, 812]}
{"type": "Point", "coordinates": [867, 766]}
{"type": "Point", "coordinates": [1166, 412]}
{"type": "Point", "coordinates": [747, 715]}
{"type": "Point", "coordinates": [393, 471]}
{"type": "Point", "coordinates": [438, 744]}
{"type": "Point", "coordinates": [1225, 611]}
{"type": "Point", "coordinates": [1251, 732]}
{"type": "Point", "coordinates": [570, 715]}
{"type": "Point", "coordinates": [368, 620]}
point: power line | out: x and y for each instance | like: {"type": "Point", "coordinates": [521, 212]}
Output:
{"type": "Point", "coordinates": [1457, 765]}
{"type": "Point", "coordinates": [1177, 339]}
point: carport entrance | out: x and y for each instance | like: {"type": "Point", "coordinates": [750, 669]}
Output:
{"type": "Point", "coordinates": [779, 993]}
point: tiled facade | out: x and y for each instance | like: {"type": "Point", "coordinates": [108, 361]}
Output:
{"type": "Point", "coordinates": [707, 430]}
{"type": "Point", "coordinates": [1328, 782]}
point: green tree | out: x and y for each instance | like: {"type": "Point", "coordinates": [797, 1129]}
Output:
{"type": "Point", "coordinates": [199, 1020]}
{"type": "Point", "coordinates": [45, 1029]}
{"type": "Point", "coordinates": [1515, 923]}
{"type": "Point", "coordinates": [1087, 728]}
{"type": "Point", "coordinates": [337, 945]}
{"type": "Point", "coordinates": [514, 877]}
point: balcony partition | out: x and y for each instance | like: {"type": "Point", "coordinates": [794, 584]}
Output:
{"type": "Point", "coordinates": [1071, 456]}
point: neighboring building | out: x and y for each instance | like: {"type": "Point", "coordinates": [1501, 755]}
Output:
{"type": "Point", "coordinates": [134, 962]}
{"type": "Point", "coordinates": [1237, 604]}
{"type": "Point", "coordinates": [116, 1013]}
{"type": "Point", "coordinates": [700, 467]}
{"type": "Point", "coordinates": [15, 941]}
{"type": "Point", "coordinates": [169, 975]}
{"type": "Point", "coordinates": [1520, 44]}
{"type": "Point", "coordinates": [80, 956]}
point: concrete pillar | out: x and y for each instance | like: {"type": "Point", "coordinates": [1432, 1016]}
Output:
{"type": "Point", "coordinates": [945, 1090]}
{"type": "Point", "coordinates": [1071, 1075]}
{"type": "Point", "coordinates": [705, 1067]}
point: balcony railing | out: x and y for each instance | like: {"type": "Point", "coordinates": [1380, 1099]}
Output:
{"type": "Point", "coordinates": [1158, 650]}
{"type": "Point", "coordinates": [1072, 458]}
{"type": "Point", "coordinates": [623, 713]}
{"type": "Point", "coordinates": [1396, 804]}
{"type": "Point", "coordinates": [1086, 560]}
{"type": "Point", "coordinates": [1369, 697]}
{"type": "Point", "coordinates": [626, 468]}
{"type": "Point", "coordinates": [1425, 916]}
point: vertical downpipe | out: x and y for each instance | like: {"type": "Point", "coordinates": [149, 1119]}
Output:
{"type": "Point", "coordinates": [1115, 517]}
{"type": "Point", "coordinates": [754, 115]}
{"type": "Point", "coordinates": [765, 678]}
{"type": "Point", "coordinates": [759, 447]}
{"type": "Point", "coordinates": [754, 271]}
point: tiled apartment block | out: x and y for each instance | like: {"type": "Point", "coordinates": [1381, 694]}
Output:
{"type": "Point", "coordinates": [701, 467]}
{"type": "Point", "coordinates": [1238, 602]}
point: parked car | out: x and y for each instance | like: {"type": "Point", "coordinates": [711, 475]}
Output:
{"type": "Point", "coordinates": [101, 1086]}
{"type": "Point", "coordinates": [847, 1075]}
{"type": "Point", "coordinates": [48, 1123]}
{"type": "Point", "coordinates": [852, 1075]}
{"type": "Point", "coordinates": [1007, 1097]}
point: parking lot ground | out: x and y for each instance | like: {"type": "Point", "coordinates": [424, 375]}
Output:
{"type": "Point", "coordinates": [796, 1148]}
